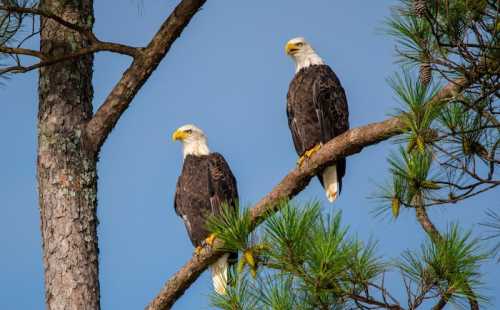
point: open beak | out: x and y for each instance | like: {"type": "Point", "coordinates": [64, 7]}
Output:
{"type": "Point", "coordinates": [291, 48]}
{"type": "Point", "coordinates": [179, 135]}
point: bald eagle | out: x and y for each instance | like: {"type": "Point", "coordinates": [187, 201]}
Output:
{"type": "Point", "coordinates": [317, 110]}
{"type": "Point", "coordinates": [205, 183]}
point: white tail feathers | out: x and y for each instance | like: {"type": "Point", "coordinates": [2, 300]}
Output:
{"type": "Point", "coordinates": [219, 274]}
{"type": "Point", "coordinates": [331, 183]}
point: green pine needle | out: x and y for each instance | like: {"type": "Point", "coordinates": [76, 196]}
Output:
{"type": "Point", "coordinates": [277, 292]}
{"type": "Point", "coordinates": [450, 265]}
{"type": "Point", "coordinates": [493, 226]}
{"type": "Point", "coordinates": [287, 232]}
{"type": "Point", "coordinates": [237, 297]}
{"type": "Point", "coordinates": [232, 227]}
{"type": "Point", "coordinates": [411, 175]}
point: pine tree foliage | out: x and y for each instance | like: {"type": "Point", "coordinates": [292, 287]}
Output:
{"type": "Point", "coordinates": [416, 114]}
{"type": "Point", "coordinates": [459, 135]}
{"type": "Point", "coordinates": [449, 267]}
{"type": "Point", "coordinates": [310, 261]}
{"type": "Point", "coordinates": [233, 227]}
{"type": "Point", "coordinates": [309, 254]}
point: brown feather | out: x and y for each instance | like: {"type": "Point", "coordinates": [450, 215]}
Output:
{"type": "Point", "coordinates": [317, 110]}
{"type": "Point", "coordinates": [204, 184]}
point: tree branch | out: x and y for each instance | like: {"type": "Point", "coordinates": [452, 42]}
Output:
{"type": "Point", "coordinates": [426, 223]}
{"type": "Point", "coordinates": [96, 47]}
{"type": "Point", "coordinates": [47, 14]}
{"type": "Point", "coordinates": [441, 303]}
{"type": "Point", "coordinates": [349, 143]}
{"type": "Point", "coordinates": [370, 301]}
{"type": "Point", "coordinates": [99, 127]}
{"type": "Point", "coordinates": [22, 51]}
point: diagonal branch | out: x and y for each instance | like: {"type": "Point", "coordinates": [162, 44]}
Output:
{"type": "Point", "coordinates": [99, 127]}
{"type": "Point", "coordinates": [349, 143]}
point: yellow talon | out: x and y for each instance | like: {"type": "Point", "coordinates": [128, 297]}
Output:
{"type": "Point", "coordinates": [308, 154]}
{"type": "Point", "coordinates": [300, 161]}
{"type": "Point", "coordinates": [313, 150]}
{"type": "Point", "coordinates": [198, 250]}
{"type": "Point", "coordinates": [210, 239]}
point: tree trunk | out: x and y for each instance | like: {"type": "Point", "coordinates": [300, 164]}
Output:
{"type": "Point", "coordinates": [67, 179]}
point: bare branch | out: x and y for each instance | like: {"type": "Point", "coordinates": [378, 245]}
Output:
{"type": "Point", "coordinates": [99, 127]}
{"type": "Point", "coordinates": [370, 301]}
{"type": "Point", "coordinates": [47, 14]}
{"type": "Point", "coordinates": [118, 48]}
{"type": "Point", "coordinates": [441, 303]}
{"type": "Point", "coordinates": [95, 44]}
{"type": "Point", "coordinates": [21, 51]}
{"type": "Point", "coordinates": [97, 47]}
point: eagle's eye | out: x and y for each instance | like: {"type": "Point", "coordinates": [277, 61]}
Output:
{"type": "Point", "coordinates": [188, 131]}
{"type": "Point", "coordinates": [300, 44]}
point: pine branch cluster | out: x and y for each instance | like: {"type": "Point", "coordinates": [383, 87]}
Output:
{"type": "Point", "coordinates": [451, 150]}
{"type": "Point", "coordinates": [306, 259]}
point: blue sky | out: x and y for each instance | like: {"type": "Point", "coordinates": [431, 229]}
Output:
{"type": "Point", "coordinates": [228, 74]}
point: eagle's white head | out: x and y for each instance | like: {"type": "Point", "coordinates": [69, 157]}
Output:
{"type": "Point", "coordinates": [194, 141]}
{"type": "Point", "coordinates": [302, 53]}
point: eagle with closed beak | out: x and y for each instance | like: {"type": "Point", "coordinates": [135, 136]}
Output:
{"type": "Point", "coordinates": [205, 184]}
{"type": "Point", "coordinates": [317, 111]}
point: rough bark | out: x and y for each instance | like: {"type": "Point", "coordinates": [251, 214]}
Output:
{"type": "Point", "coordinates": [67, 179]}
{"type": "Point", "coordinates": [67, 152]}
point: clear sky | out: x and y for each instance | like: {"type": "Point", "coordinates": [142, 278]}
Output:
{"type": "Point", "coordinates": [228, 74]}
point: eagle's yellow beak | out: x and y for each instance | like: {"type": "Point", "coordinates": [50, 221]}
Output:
{"type": "Point", "coordinates": [179, 135]}
{"type": "Point", "coordinates": [291, 48]}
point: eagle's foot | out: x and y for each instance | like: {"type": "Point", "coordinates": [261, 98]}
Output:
{"type": "Point", "coordinates": [308, 154]}
{"type": "Point", "coordinates": [300, 161]}
{"type": "Point", "coordinates": [210, 240]}
{"type": "Point", "coordinates": [198, 250]}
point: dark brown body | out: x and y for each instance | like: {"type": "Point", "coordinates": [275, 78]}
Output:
{"type": "Point", "coordinates": [317, 110]}
{"type": "Point", "coordinates": [204, 184]}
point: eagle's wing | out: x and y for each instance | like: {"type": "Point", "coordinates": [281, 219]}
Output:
{"type": "Point", "coordinates": [292, 123]}
{"type": "Point", "coordinates": [181, 213]}
{"type": "Point", "coordinates": [331, 108]}
{"type": "Point", "coordinates": [223, 186]}
{"type": "Point", "coordinates": [192, 196]}
{"type": "Point", "coordinates": [331, 105]}
{"type": "Point", "coordinates": [223, 189]}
